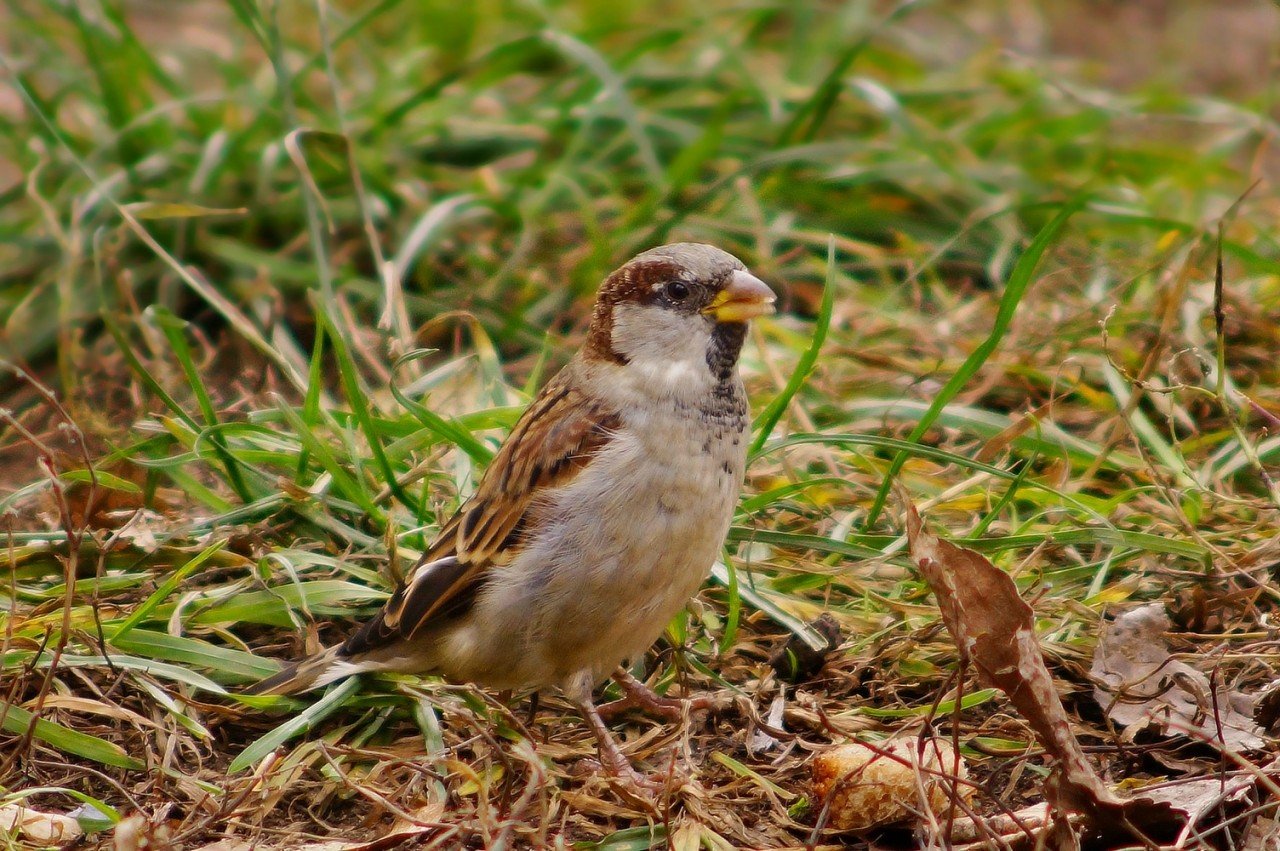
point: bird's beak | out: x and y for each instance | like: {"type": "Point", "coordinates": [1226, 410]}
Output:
{"type": "Point", "coordinates": [744, 297]}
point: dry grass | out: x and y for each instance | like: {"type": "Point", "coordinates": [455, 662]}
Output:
{"type": "Point", "coordinates": [189, 262]}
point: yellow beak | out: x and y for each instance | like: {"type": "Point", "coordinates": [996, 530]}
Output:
{"type": "Point", "coordinates": [744, 297]}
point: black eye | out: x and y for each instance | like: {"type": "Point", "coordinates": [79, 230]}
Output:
{"type": "Point", "coordinates": [677, 291]}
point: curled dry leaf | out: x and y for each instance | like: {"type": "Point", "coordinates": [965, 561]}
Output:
{"type": "Point", "coordinates": [1142, 686]}
{"type": "Point", "coordinates": [870, 786]}
{"type": "Point", "coordinates": [994, 630]}
{"type": "Point", "coordinates": [1266, 707]}
{"type": "Point", "coordinates": [1262, 835]}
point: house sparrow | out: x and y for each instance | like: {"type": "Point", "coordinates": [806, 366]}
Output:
{"type": "Point", "coordinates": [602, 513]}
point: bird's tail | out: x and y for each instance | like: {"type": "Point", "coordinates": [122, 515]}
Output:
{"type": "Point", "coordinates": [312, 672]}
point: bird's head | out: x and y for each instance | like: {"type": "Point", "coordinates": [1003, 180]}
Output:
{"type": "Point", "coordinates": [684, 302]}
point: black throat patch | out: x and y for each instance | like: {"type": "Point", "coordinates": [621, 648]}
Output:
{"type": "Point", "coordinates": [726, 344]}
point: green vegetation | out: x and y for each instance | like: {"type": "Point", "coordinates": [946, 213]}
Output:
{"type": "Point", "coordinates": [292, 270]}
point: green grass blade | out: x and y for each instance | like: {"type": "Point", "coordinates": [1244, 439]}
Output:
{"type": "Point", "coordinates": [163, 670]}
{"type": "Point", "coordinates": [776, 613]}
{"type": "Point", "coordinates": [448, 430]}
{"type": "Point", "coordinates": [236, 665]}
{"type": "Point", "coordinates": [174, 330]}
{"type": "Point", "coordinates": [946, 707]}
{"type": "Point", "coordinates": [142, 373]}
{"type": "Point", "coordinates": [166, 588]}
{"type": "Point", "coordinates": [18, 721]}
{"type": "Point", "coordinates": [1016, 287]}
{"type": "Point", "coordinates": [295, 726]}
{"type": "Point", "coordinates": [346, 483]}
{"type": "Point", "coordinates": [359, 401]}
{"type": "Point", "coordinates": [733, 608]}
{"type": "Point", "coordinates": [775, 409]}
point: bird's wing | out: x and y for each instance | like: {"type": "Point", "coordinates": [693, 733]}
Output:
{"type": "Point", "coordinates": [551, 443]}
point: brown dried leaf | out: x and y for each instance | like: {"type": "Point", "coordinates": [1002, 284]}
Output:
{"type": "Point", "coordinates": [1144, 686]}
{"type": "Point", "coordinates": [1266, 707]}
{"type": "Point", "coordinates": [1262, 835]}
{"type": "Point", "coordinates": [994, 631]}
{"type": "Point", "coordinates": [1195, 799]}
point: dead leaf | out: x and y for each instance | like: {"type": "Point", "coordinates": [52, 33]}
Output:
{"type": "Point", "coordinates": [1262, 835]}
{"type": "Point", "coordinates": [96, 707]}
{"type": "Point", "coordinates": [760, 741]}
{"type": "Point", "coordinates": [1143, 686]}
{"type": "Point", "coordinates": [1195, 799]}
{"type": "Point", "coordinates": [994, 630]}
{"type": "Point", "coordinates": [1266, 707]}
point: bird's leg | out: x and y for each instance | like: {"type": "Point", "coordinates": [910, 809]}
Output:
{"type": "Point", "coordinates": [533, 707]}
{"type": "Point", "coordinates": [615, 762]}
{"type": "Point", "coordinates": [637, 695]}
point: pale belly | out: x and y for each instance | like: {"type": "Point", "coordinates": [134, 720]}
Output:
{"type": "Point", "coordinates": [624, 547]}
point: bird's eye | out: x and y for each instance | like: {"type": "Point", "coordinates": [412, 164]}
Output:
{"type": "Point", "coordinates": [677, 291]}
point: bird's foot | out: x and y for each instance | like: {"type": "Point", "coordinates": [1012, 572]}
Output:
{"type": "Point", "coordinates": [624, 776]}
{"type": "Point", "coordinates": [615, 763]}
{"type": "Point", "coordinates": [637, 695]}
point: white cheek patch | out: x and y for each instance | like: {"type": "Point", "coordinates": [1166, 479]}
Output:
{"type": "Point", "coordinates": [666, 355]}
{"type": "Point", "coordinates": [658, 335]}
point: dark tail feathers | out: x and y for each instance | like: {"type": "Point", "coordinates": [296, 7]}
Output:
{"type": "Point", "coordinates": [312, 672]}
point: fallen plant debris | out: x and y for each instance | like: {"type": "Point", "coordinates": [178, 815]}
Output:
{"type": "Point", "coordinates": [38, 827]}
{"type": "Point", "coordinates": [994, 630]}
{"type": "Point", "coordinates": [403, 832]}
{"type": "Point", "coordinates": [1266, 707]}
{"type": "Point", "coordinates": [1142, 686]}
{"type": "Point", "coordinates": [303, 346]}
{"type": "Point", "coordinates": [865, 786]}
{"type": "Point", "coordinates": [798, 660]}
{"type": "Point", "coordinates": [1263, 835]}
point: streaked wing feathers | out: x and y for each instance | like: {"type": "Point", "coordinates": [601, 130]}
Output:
{"type": "Point", "coordinates": [550, 444]}
{"type": "Point", "coordinates": [440, 586]}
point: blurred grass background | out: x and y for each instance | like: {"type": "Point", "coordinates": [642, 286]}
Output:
{"type": "Point", "coordinates": [293, 267]}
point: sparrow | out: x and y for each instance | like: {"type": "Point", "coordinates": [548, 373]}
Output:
{"type": "Point", "coordinates": [599, 517]}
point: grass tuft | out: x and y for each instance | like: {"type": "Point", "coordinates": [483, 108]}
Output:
{"type": "Point", "coordinates": [275, 281]}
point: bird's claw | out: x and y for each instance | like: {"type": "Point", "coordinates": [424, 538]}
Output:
{"type": "Point", "coordinates": [637, 695]}
{"type": "Point", "coordinates": [637, 786]}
